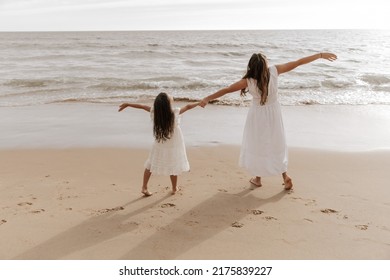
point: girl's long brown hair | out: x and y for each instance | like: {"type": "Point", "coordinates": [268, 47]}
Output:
{"type": "Point", "coordinates": [164, 118]}
{"type": "Point", "coordinates": [258, 70]}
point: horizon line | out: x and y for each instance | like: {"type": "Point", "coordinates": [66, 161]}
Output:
{"type": "Point", "coordinates": [193, 30]}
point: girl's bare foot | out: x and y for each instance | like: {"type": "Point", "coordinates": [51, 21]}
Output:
{"type": "Point", "coordinates": [255, 181]}
{"type": "Point", "coordinates": [146, 192]}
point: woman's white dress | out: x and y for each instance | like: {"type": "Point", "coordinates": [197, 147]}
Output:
{"type": "Point", "coordinates": [169, 157]}
{"type": "Point", "coordinates": [264, 149]}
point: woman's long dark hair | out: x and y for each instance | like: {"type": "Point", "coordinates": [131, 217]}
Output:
{"type": "Point", "coordinates": [258, 70]}
{"type": "Point", "coordinates": [164, 118]}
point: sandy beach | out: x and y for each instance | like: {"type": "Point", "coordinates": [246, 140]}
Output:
{"type": "Point", "coordinates": [70, 187]}
{"type": "Point", "coordinates": [86, 204]}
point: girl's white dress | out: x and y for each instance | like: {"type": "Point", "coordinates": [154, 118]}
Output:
{"type": "Point", "coordinates": [169, 157]}
{"type": "Point", "coordinates": [264, 149]}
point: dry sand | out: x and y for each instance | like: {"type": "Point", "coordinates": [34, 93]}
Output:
{"type": "Point", "coordinates": [86, 204]}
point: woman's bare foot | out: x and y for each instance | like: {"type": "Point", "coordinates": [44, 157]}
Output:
{"type": "Point", "coordinates": [146, 192]}
{"type": "Point", "coordinates": [174, 191]}
{"type": "Point", "coordinates": [288, 185]}
{"type": "Point", "coordinates": [255, 181]}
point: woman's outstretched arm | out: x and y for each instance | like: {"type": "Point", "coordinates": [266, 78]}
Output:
{"type": "Point", "coordinates": [232, 88]}
{"type": "Point", "coordinates": [283, 68]}
{"type": "Point", "coordinates": [134, 105]}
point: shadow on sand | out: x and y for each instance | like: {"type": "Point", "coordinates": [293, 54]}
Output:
{"type": "Point", "coordinates": [170, 241]}
{"type": "Point", "coordinates": [88, 233]}
{"type": "Point", "coordinates": [199, 224]}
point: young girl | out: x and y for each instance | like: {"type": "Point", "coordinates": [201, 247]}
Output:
{"type": "Point", "coordinates": [264, 149]}
{"type": "Point", "coordinates": [168, 155]}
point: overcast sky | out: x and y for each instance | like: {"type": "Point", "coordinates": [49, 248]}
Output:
{"type": "Point", "coordinates": [62, 15]}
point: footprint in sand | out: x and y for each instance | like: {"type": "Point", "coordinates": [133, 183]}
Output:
{"type": "Point", "coordinates": [126, 226]}
{"type": "Point", "coordinates": [329, 211]}
{"type": "Point", "coordinates": [270, 218]}
{"type": "Point", "coordinates": [307, 202]}
{"type": "Point", "coordinates": [222, 190]}
{"type": "Point", "coordinates": [191, 223]}
{"type": "Point", "coordinates": [103, 211]}
{"type": "Point", "coordinates": [24, 203]}
{"type": "Point", "coordinates": [3, 222]}
{"type": "Point", "coordinates": [61, 197]}
{"type": "Point", "coordinates": [32, 197]}
{"type": "Point", "coordinates": [37, 211]}
{"type": "Point", "coordinates": [166, 205]}
{"type": "Point", "coordinates": [237, 225]}
{"type": "Point", "coordinates": [362, 227]}
{"type": "Point", "coordinates": [257, 212]}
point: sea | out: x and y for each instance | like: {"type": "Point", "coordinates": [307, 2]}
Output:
{"type": "Point", "coordinates": [39, 68]}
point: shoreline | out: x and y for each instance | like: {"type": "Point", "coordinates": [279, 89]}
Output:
{"type": "Point", "coordinates": [86, 204]}
{"type": "Point", "coordinates": [322, 127]}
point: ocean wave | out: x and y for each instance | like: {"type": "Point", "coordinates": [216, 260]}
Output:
{"type": "Point", "coordinates": [139, 98]}
{"type": "Point", "coordinates": [174, 84]}
{"type": "Point", "coordinates": [290, 100]}
{"type": "Point", "coordinates": [310, 84]}
{"type": "Point", "coordinates": [108, 84]}
{"type": "Point", "coordinates": [355, 49]}
{"type": "Point", "coordinates": [110, 87]}
{"type": "Point", "coordinates": [142, 98]}
{"type": "Point", "coordinates": [308, 102]}
{"type": "Point", "coordinates": [384, 88]}
{"type": "Point", "coordinates": [337, 83]}
{"type": "Point", "coordinates": [193, 54]}
{"type": "Point", "coordinates": [229, 54]}
{"type": "Point", "coordinates": [206, 45]}
{"type": "Point", "coordinates": [63, 57]}
{"type": "Point", "coordinates": [178, 79]}
{"type": "Point", "coordinates": [289, 85]}
{"type": "Point", "coordinates": [226, 46]}
{"type": "Point", "coordinates": [28, 83]}
{"type": "Point", "coordinates": [59, 83]}
{"type": "Point", "coordinates": [185, 99]}
{"type": "Point", "coordinates": [375, 79]}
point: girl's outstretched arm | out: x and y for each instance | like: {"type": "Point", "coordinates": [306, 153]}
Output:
{"type": "Point", "coordinates": [232, 88]}
{"type": "Point", "coordinates": [189, 107]}
{"type": "Point", "coordinates": [283, 68]}
{"type": "Point", "coordinates": [134, 105]}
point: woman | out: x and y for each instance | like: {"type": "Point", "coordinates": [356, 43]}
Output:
{"type": "Point", "coordinates": [264, 149]}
